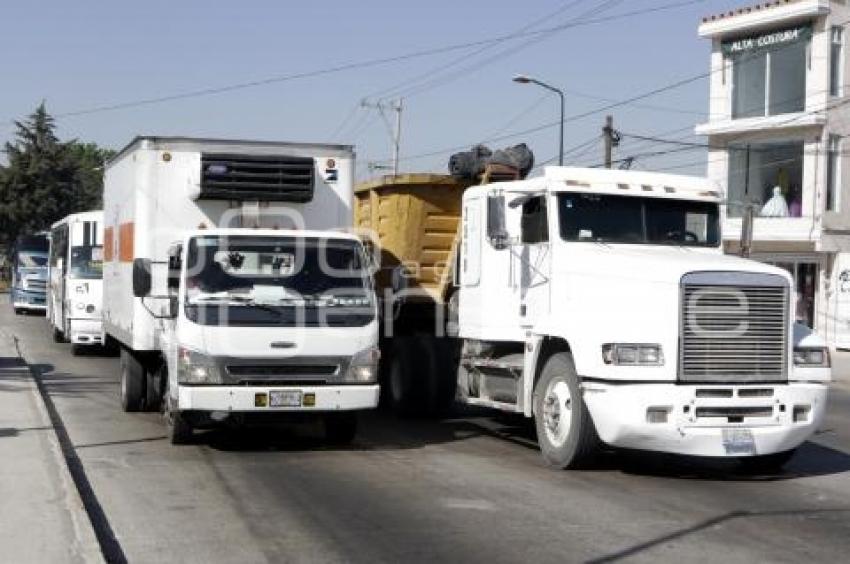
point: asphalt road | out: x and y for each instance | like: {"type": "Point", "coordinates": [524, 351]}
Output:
{"type": "Point", "coordinates": [470, 488]}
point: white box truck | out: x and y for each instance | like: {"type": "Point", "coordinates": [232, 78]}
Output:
{"type": "Point", "coordinates": [232, 286]}
{"type": "Point", "coordinates": [600, 303]}
{"type": "Point", "coordinates": [75, 287]}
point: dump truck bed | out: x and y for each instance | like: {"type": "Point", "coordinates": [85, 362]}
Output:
{"type": "Point", "coordinates": [414, 219]}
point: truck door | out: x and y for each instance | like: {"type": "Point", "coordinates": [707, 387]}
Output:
{"type": "Point", "coordinates": [532, 263]}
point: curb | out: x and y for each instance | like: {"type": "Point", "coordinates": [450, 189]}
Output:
{"type": "Point", "coordinates": [85, 546]}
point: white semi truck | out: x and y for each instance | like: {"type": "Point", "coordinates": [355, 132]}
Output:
{"type": "Point", "coordinates": [231, 288]}
{"type": "Point", "coordinates": [601, 304]}
{"type": "Point", "coordinates": [75, 285]}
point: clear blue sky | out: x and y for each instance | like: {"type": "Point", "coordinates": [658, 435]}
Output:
{"type": "Point", "coordinates": [80, 55]}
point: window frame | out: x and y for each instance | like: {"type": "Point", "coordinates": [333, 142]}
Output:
{"type": "Point", "coordinates": [734, 60]}
{"type": "Point", "coordinates": [836, 64]}
{"type": "Point", "coordinates": [832, 195]}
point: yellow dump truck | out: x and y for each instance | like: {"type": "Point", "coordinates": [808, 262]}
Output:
{"type": "Point", "coordinates": [413, 220]}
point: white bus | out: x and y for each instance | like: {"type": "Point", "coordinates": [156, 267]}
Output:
{"type": "Point", "coordinates": [75, 288]}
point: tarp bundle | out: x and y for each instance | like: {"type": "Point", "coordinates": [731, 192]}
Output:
{"type": "Point", "coordinates": [471, 164]}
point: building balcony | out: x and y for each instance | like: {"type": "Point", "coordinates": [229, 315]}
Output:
{"type": "Point", "coordinates": [779, 122]}
{"type": "Point", "coordinates": [762, 16]}
{"type": "Point", "coordinates": [777, 229]}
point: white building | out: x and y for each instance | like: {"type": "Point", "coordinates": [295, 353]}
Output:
{"type": "Point", "coordinates": [779, 112]}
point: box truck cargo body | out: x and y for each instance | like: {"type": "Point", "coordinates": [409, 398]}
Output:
{"type": "Point", "coordinates": [75, 289]}
{"type": "Point", "coordinates": [599, 303]}
{"type": "Point", "coordinates": [232, 284]}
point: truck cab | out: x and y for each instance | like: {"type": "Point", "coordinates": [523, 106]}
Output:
{"type": "Point", "coordinates": [29, 273]}
{"type": "Point", "coordinates": [600, 303]}
{"type": "Point", "coordinates": [264, 321]}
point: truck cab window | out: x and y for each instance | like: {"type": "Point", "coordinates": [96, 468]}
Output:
{"type": "Point", "coordinates": [606, 218]}
{"type": "Point", "coordinates": [534, 226]}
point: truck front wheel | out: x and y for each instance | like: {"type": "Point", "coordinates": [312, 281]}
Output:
{"type": "Point", "coordinates": [132, 382]}
{"type": "Point", "coordinates": [565, 430]}
{"type": "Point", "coordinates": [180, 431]}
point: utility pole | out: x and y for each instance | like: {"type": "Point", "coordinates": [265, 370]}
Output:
{"type": "Point", "coordinates": [611, 140]}
{"type": "Point", "coordinates": [394, 130]}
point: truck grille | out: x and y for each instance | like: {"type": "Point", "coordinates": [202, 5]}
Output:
{"type": "Point", "coordinates": [257, 177]}
{"type": "Point", "coordinates": [734, 328]}
{"type": "Point", "coordinates": [35, 285]}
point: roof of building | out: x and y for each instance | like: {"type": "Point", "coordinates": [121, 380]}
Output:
{"type": "Point", "coordinates": [747, 10]}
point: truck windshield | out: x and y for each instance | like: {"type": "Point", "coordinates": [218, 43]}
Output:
{"type": "Point", "coordinates": [28, 259]}
{"type": "Point", "coordinates": [86, 262]}
{"type": "Point", "coordinates": [630, 219]}
{"type": "Point", "coordinates": [273, 280]}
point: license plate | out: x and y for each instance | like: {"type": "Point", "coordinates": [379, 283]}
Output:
{"type": "Point", "coordinates": [739, 441]}
{"type": "Point", "coordinates": [285, 398]}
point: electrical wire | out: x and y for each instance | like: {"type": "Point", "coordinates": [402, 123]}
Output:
{"type": "Point", "coordinates": [361, 64]}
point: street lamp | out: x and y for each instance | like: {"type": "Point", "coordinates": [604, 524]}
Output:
{"type": "Point", "coordinates": [523, 79]}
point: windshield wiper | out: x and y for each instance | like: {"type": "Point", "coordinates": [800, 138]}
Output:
{"type": "Point", "coordinates": [238, 300]}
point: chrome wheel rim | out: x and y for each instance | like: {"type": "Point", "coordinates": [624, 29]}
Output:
{"type": "Point", "coordinates": [557, 412]}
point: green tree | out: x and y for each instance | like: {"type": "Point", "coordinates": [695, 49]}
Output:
{"type": "Point", "coordinates": [45, 179]}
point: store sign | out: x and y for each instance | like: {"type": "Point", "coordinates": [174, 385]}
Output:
{"type": "Point", "coordinates": [767, 40]}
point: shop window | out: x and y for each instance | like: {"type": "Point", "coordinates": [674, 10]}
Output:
{"type": "Point", "coordinates": [768, 176]}
{"type": "Point", "coordinates": [805, 275]}
{"type": "Point", "coordinates": [772, 80]}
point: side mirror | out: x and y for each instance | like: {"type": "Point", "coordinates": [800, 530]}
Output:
{"type": "Point", "coordinates": [141, 277]}
{"type": "Point", "coordinates": [497, 231]}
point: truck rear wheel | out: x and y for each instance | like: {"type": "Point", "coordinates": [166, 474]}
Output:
{"type": "Point", "coordinates": [403, 377]}
{"type": "Point", "coordinates": [58, 336]}
{"type": "Point", "coordinates": [565, 430]}
{"type": "Point", "coordinates": [132, 382]}
{"type": "Point", "coordinates": [421, 380]}
{"type": "Point", "coordinates": [340, 428]}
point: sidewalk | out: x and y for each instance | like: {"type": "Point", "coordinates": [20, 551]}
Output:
{"type": "Point", "coordinates": [41, 515]}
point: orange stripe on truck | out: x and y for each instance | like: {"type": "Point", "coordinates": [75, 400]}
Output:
{"type": "Point", "coordinates": [108, 244]}
{"type": "Point", "coordinates": [125, 242]}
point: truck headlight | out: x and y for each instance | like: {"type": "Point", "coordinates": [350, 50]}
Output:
{"type": "Point", "coordinates": [817, 357]}
{"type": "Point", "coordinates": [363, 368]}
{"type": "Point", "coordinates": [632, 354]}
{"type": "Point", "coordinates": [196, 368]}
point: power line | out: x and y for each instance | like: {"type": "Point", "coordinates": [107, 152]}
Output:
{"type": "Point", "coordinates": [469, 69]}
{"type": "Point", "coordinates": [362, 64]}
{"type": "Point", "coordinates": [441, 68]}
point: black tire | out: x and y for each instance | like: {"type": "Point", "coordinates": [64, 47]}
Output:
{"type": "Point", "coordinates": [153, 391]}
{"type": "Point", "coordinates": [766, 463]}
{"type": "Point", "coordinates": [76, 350]}
{"type": "Point", "coordinates": [132, 382]}
{"type": "Point", "coordinates": [421, 380]}
{"type": "Point", "coordinates": [340, 428]}
{"type": "Point", "coordinates": [576, 445]}
{"type": "Point", "coordinates": [439, 368]}
{"type": "Point", "coordinates": [180, 430]}
{"type": "Point", "coordinates": [58, 336]}
{"type": "Point", "coordinates": [19, 311]}
{"type": "Point", "coordinates": [404, 382]}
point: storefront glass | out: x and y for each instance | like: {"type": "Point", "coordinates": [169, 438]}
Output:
{"type": "Point", "coordinates": [773, 181]}
{"type": "Point", "coordinates": [805, 276]}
